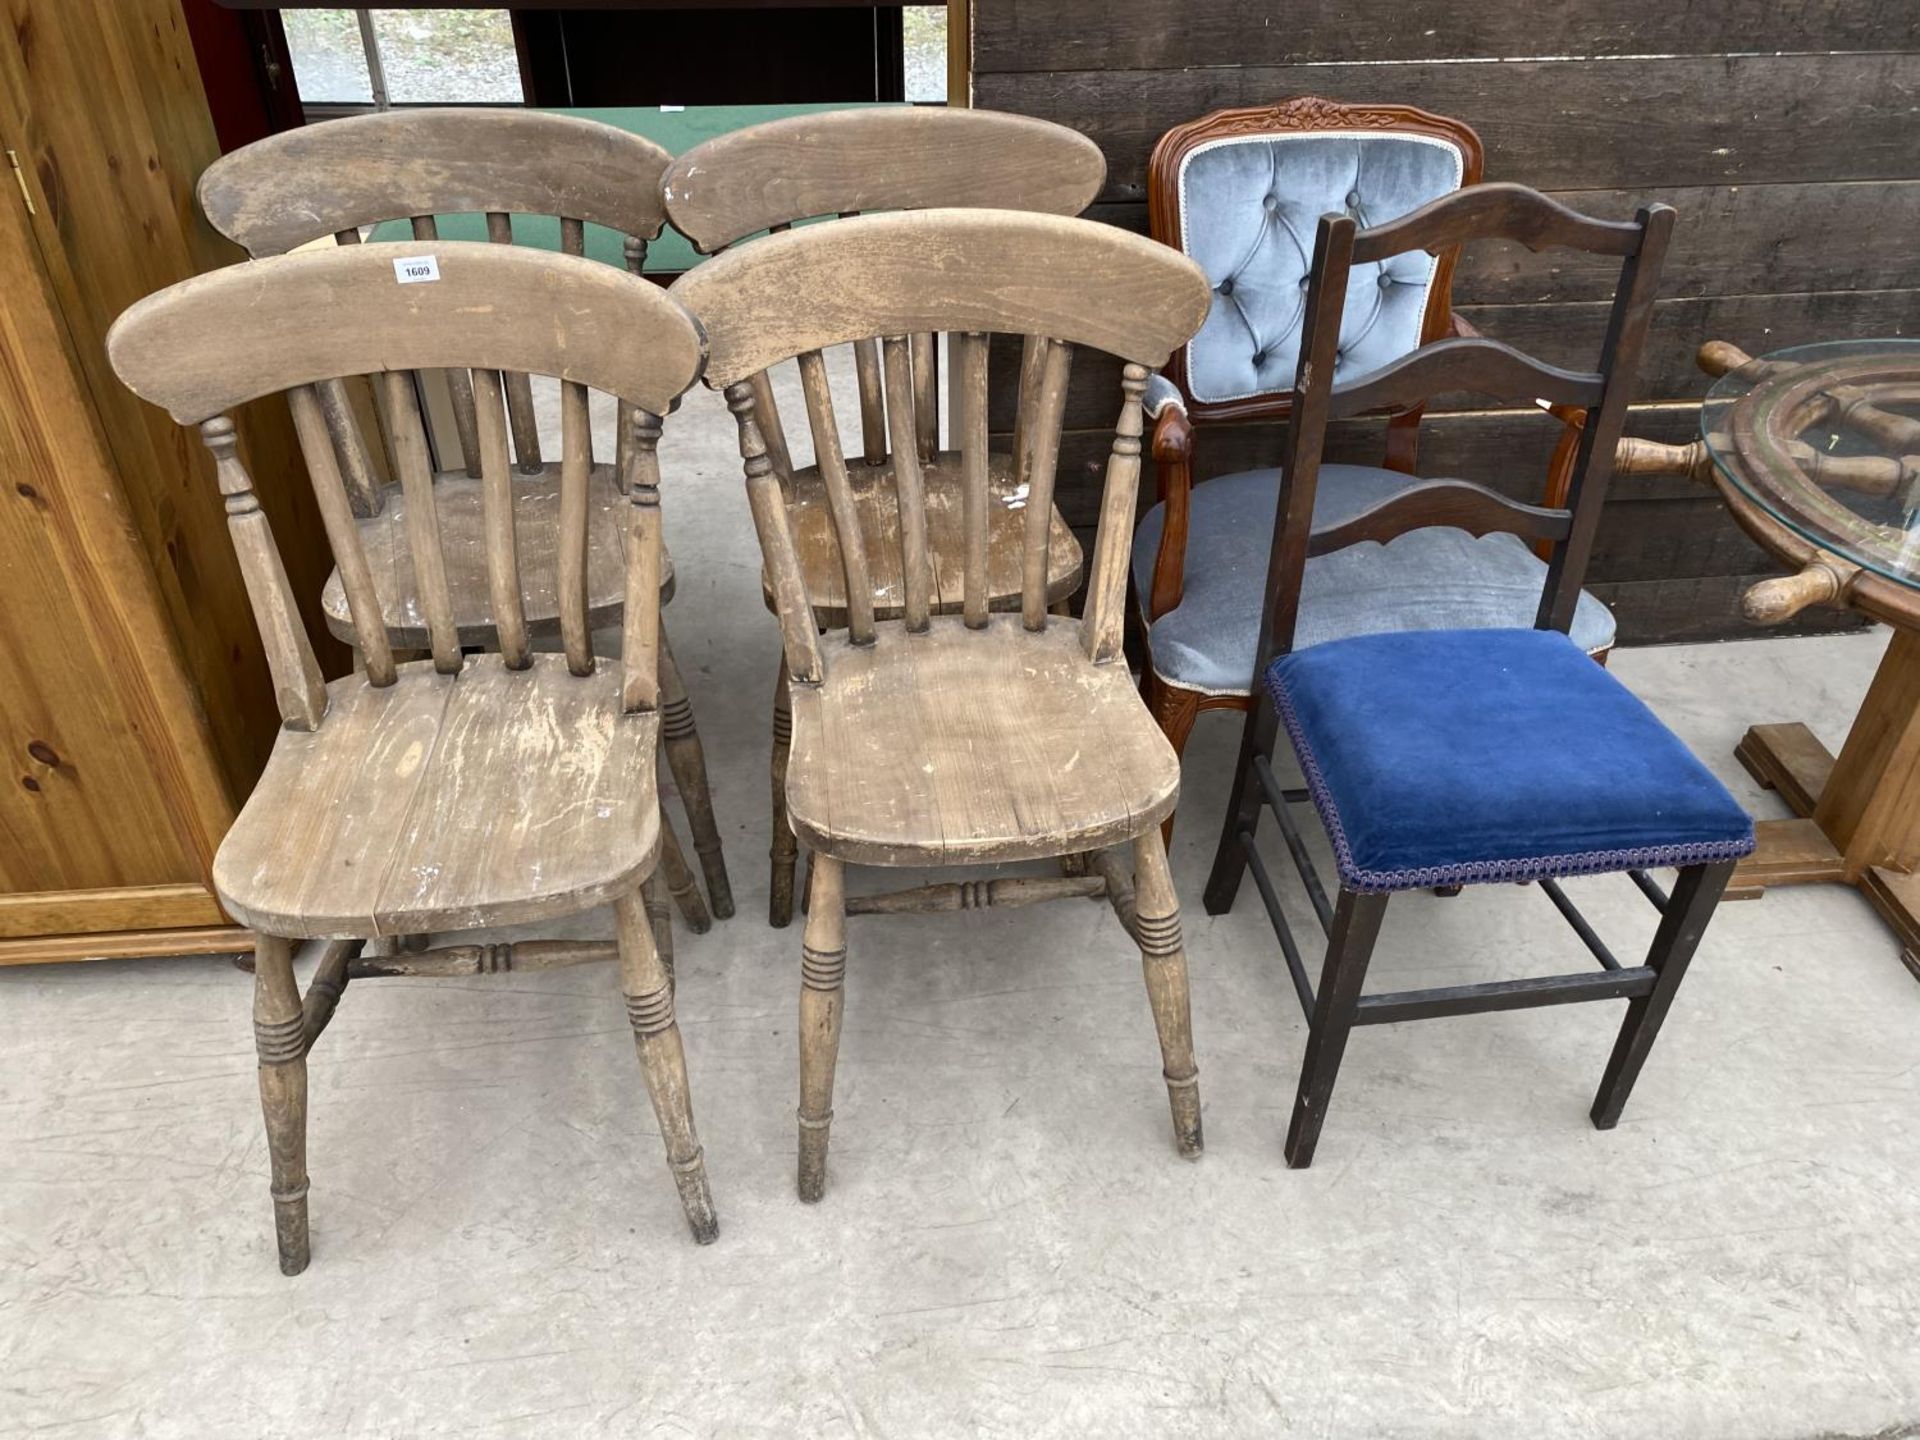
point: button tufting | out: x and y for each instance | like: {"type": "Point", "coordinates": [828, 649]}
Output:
{"type": "Point", "coordinates": [1386, 281]}
{"type": "Point", "coordinates": [1259, 357]}
{"type": "Point", "coordinates": [1353, 200]}
{"type": "Point", "coordinates": [1305, 281]}
{"type": "Point", "coordinates": [1225, 287]}
{"type": "Point", "coordinates": [1272, 203]}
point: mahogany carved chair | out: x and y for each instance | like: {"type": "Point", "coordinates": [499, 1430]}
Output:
{"type": "Point", "coordinates": [1420, 748]}
{"type": "Point", "coordinates": [768, 177]}
{"type": "Point", "coordinates": [460, 791]}
{"type": "Point", "coordinates": [535, 177]}
{"type": "Point", "coordinates": [968, 738]}
{"type": "Point", "coordinates": [1241, 192]}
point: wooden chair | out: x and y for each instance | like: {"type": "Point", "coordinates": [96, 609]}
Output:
{"type": "Point", "coordinates": [766, 177]}
{"type": "Point", "coordinates": [973, 738]}
{"type": "Point", "coordinates": [1421, 749]}
{"type": "Point", "coordinates": [460, 791]}
{"type": "Point", "coordinates": [1241, 191]}
{"type": "Point", "coordinates": [536, 177]}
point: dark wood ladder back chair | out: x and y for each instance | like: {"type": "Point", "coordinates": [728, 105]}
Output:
{"type": "Point", "coordinates": [969, 738]}
{"type": "Point", "coordinates": [1241, 191]}
{"type": "Point", "coordinates": [1422, 750]}
{"type": "Point", "coordinates": [842, 163]}
{"type": "Point", "coordinates": [535, 177]}
{"type": "Point", "coordinates": [457, 792]}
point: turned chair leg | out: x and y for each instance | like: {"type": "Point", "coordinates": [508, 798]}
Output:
{"type": "Point", "coordinates": [659, 920]}
{"type": "Point", "coordinates": [680, 884]}
{"type": "Point", "coordinates": [1243, 809]}
{"type": "Point", "coordinates": [1174, 710]}
{"type": "Point", "coordinates": [649, 993]}
{"type": "Point", "coordinates": [1163, 960]}
{"type": "Point", "coordinates": [1356, 925]}
{"type": "Point", "coordinates": [785, 849]}
{"type": "Point", "coordinates": [823, 968]}
{"type": "Point", "coordinates": [688, 760]}
{"type": "Point", "coordinates": [279, 1035]}
{"type": "Point", "coordinates": [1684, 921]}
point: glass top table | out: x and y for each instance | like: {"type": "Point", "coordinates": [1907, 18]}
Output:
{"type": "Point", "coordinates": [1826, 439]}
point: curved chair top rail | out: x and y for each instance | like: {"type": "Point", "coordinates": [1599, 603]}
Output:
{"type": "Point", "coordinates": [202, 346]}
{"type": "Point", "coordinates": [996, 271]}
{"type": "Point", "coordinates": [300, 185]}
{"type": "Point", "coordinates": [888, 158]}
{"type": "Point", "coordinates": [1306, 114]}
{"type": "Point", "coordinates": [1502, 210]}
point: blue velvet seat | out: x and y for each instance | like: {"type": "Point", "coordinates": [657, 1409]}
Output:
{"type": "Point", "coordinates": [1433, 579]}
{"type": "Point", "coordinates": [1452, 757]}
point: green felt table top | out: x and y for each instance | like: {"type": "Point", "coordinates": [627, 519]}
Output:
{"type": "Point", "coordinates": [673, 129]}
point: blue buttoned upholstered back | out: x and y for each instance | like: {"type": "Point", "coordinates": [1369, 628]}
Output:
{"type": "Point", "coordinates": [1248, 205]}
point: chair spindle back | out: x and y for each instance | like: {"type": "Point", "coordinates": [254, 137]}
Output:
{"type": "Point", "coordinates": [848, 162]}
{"type": "Point", "coordinates": [301, 185]}
{"type": "Point", "coordinates": [970, 273]}
{"type": "Point", "coordinates": [293, 322]}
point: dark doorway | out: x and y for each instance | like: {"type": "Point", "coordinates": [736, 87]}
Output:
{"type": "Point", "coordinates": [723, 55]}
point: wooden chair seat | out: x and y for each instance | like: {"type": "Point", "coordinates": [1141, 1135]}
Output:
{"type": "Point", "coordinates": [448, 802]}
{"type": "Point", "coordinates": [962, 747]}
{"type": "Point", "coordinates": [811, 519]}
{"type": "Point", "coordinates": [458, 499]}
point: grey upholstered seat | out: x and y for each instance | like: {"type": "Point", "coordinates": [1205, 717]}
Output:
{"type": "Point", "coordinates": [1248, 209]}
{"type": "Point", "coordinates": [1432, 579]}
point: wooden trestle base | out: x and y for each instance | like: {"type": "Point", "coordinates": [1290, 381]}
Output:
{"type": "Point", "coordinates": [1857, 816]}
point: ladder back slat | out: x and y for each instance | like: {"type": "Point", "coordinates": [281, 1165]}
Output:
{"type": "Point", "coordinates": [873, 407]}
{"type": "Point", "coordinates": [916, 560]}
{"type": "Point", "coordinates": [415, 464]}
{"type": "Point", "coordinates": [1042, 436]}
{"type": "Point", "coordinates": [576, 461]}
{"type": "Point", "coordinates": [1102, 626]}
{"type": "Point", "coordinates": [520, 413]}
{"type": "Point", "coordinates": [350, 447]}
{"type": "Point", "coordinates": [298, 688]}
{"type": "Point", "coordinates": [343, 535]}
{"type": "Point", "coordinates": [926, 393]}
{"type": "Point", "coordinates": [496, 514]}
{"type": "Point", "coordinates": [832, 466]}
{"type": "Point", "coordinates": [970, 357]}
{"type": "Point", "coordinates": [799, 634]}
{"type": "Point", "coordinates": [640, 624]}
{"type": "Point", "coordinates": [459, 382]}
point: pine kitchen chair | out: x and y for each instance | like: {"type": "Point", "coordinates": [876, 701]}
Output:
{"type": "Point", "coordinates": [841, 163]}
{"type": "Point", "coordinates": [1241, 191]}
{"type": "Point", "coordinates": [461, 791]}
{"type": "Point", "coordinates": [533, 176]}
{"type": "Point", "coordinates": [976, 737]}
{"type": "Point", "coordinates": [1446, 757]}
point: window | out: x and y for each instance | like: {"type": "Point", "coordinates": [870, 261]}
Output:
{"type": "Point", "coordinates": [427, 57]}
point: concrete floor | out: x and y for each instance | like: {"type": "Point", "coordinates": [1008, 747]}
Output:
{"type": "Point", "coordinates": [1008, 1244]}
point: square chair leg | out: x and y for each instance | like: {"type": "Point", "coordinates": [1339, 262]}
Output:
{"type": "Point", "coordinates": [1684, 921]}
{"type": "Point", "coordinates": [1356, 925]}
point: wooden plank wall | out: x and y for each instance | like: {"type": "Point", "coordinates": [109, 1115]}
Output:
{"type": "Point", "coordinates": [1786, 133]}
